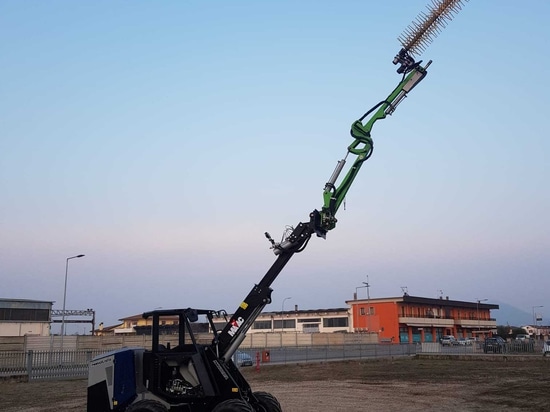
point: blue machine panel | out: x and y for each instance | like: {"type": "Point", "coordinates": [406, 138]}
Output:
{"type": "Point", "coordinates": [124, 389]}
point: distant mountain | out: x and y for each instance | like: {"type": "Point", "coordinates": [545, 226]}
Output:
{"type": "Point", "coordinates": [510, 315]}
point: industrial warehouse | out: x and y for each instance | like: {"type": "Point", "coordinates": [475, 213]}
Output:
{"type": "Point", "coordinates": [403, 319]}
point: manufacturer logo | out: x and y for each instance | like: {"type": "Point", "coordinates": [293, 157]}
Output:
{"type": "Point", "coordinates": [235, 325]}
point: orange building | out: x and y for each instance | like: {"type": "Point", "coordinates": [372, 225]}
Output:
{"type": "Point", "coordinates": [415, 319]}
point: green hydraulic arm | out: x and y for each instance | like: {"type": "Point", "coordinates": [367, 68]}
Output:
{"type": "Point", "coordinates": [362, 146]}
{"type": "Point", "coordinates": [414, 40]}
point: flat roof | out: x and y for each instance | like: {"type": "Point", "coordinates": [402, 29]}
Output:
{"type": "Point", "coordinates": [430, 301]}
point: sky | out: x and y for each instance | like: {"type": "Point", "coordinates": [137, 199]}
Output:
{"type": "Point", "coordinates": [162, 139]}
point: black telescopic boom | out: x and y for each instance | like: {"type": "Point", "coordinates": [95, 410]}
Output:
{"type": "Point", "coordinates": [250, 308]}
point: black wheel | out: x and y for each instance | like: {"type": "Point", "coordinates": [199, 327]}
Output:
{"type": "Point", "coordinates": [233, 405]}
{"type": "Point", "coordinates": [147, 405]}
{"type": "Point", "coordinates": [268, 402]}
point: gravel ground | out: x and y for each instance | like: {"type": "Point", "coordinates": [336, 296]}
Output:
{"type": "Point", "coordinates": [403, 384]}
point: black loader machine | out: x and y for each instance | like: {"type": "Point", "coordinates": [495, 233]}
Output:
{"type": "Point", "coordinates": [198, 377]}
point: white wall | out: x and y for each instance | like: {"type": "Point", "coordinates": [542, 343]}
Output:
{"type": "Point", "coordinates": [24, 329]}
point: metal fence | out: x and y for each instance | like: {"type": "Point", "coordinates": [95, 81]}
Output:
{"type": "Point", "coordinates": [47, 364]}
{"type": "Point", "coordinates": [37, 365]}
{"type": "Point", "coordinates": [530, 347]}
{"type": "Point", "coordinates": [321, 353]}
{"type": "Point", "coordinates": [44, 365]}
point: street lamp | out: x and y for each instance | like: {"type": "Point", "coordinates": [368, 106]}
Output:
{"type": "Point", "coordinates": [65, 297]}
{"type": "Point", "coordinates": [478, 324]}
{"type": "Point", "coordinates": [535, 318]}
{"type": "Point", "coordinates": [367, 285]}
{"type": "Point", "coordinates": [355, 296]}
{"type": "Point", "coordinates": [362, 287]}
{"type": "Point", "coordinates": [282, 310]}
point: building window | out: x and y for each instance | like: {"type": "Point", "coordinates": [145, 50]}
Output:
{"type": "Point", "coordinates": [362, 311]}
{"type": "Point", "coordinates": [311, 328]}
{"type": "Point", "coordinates": [371, 310]}
{"type": "Point", "coordinates": [289, 324]}
{"type": "Point", "coordinates": [309, 320]}
{"type": "Point", "coordinates": [25, 314]}
{"type": "Point", "coordinates": [403, 334]}
{"type": "Point", "coordinates": [285, 324]}
{"type": "Point", "coordinates": [262, 324]}
{"type": "Point", "coordinates": [335, 322]}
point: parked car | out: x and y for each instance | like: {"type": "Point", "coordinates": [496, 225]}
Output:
{"type": "Point", "coordinates": [522, 345]}
{"type": "Point", "coordinates": [242, 359]}
{"type": "Point", "coordinates": [448, 340]}
{"type": "Point", "coordinates": [471, 341]}
{"type": "Point", "coordinates": [523, 337]}
{"type": "Point", "coordinates": [546, 348]}
{"type": "Point", "coordinates": [495, 344]}
{"type": "Point", "coordinates": [464, 341]}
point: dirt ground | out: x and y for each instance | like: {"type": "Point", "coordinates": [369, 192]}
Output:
{"type": "Point", "coordinates": [501, 383]}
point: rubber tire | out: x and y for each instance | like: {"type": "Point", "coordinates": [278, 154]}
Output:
{"type": "Point", "coordinates": [233, 405]}
{"type": "Point", "coordinates": [268, 402]}
{"type": "Point", "coordinates": [147, 405]}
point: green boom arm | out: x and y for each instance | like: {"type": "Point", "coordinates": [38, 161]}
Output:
{"type": "Point", "coordinates": [229, 339]}
{"type": "Point", "coordinates": [362, 147]}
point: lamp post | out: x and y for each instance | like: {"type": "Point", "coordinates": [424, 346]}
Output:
{"type": "Point", "coordinates": [65, 297]}
{"type": "Point", "coordinates": [282, 310]}
{"type": "Point", "coordinates": [367, 285]}
{"type": "Point", "coordinates": [535, 318]}
{"type": "Point", "coordinates": [478, 324]}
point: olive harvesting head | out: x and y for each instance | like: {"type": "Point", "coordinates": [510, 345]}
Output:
{"type": "Point", "coordinates": [421, 32]}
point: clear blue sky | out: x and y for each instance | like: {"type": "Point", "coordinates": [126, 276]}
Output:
{"type": "Point", "coordinates": [162, 139]}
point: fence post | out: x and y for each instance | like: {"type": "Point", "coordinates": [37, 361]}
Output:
{"type": "Point", "coordinates": [29, 365]}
